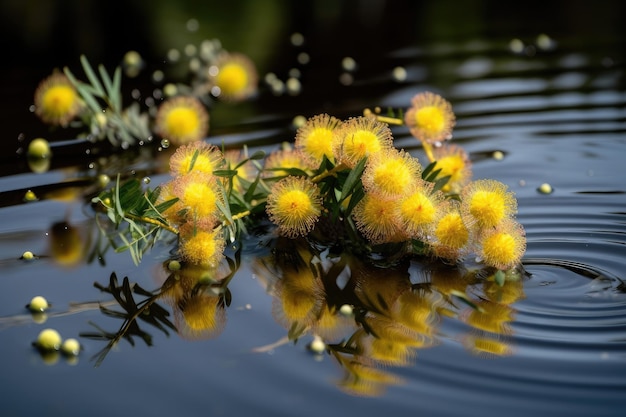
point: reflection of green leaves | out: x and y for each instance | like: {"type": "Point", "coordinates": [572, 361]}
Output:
{"type": "Point", "coordinates": [146, 310]}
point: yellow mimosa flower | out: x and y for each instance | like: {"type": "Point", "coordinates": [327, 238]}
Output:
{"type": "Point", "coordinates": [182, 119]}
{"type": "Point", "coordinates": [56, 100]}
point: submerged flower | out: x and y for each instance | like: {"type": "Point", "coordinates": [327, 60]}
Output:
{"type": "Point", "coordinates": [234, 77]}
{"type": "Point", "coordinates": [378, 220]}
{"type": "Point", "coordinates": [294, 205]}
{"type": "Point", "coordinates": [488, 202]}
{"type": "Point", "coordinates": [390, 173]}
{"type": "Point", "coordinates": [504, 246]}
{"type": "Point", "coordinates": [196, 156]}
{"type": "Point", "coordinates": [314, 139]}
{"type": "Point", "coordinates": [454, 162]}
{"type": "Point", "coordinates": [201, 247]}
{"type": "Point", "coordinates": [360, 137]}
{"type": "Point", "coordinates": [182, 119]}
{"type": "Point", "coordinates": [430, 118]}
{"type": "Point", "coordinates": [56, 100]}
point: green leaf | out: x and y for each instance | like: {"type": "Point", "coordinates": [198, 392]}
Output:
{"type": "Point", "coordinates": [226, 173]}
{"type": "Point", "coordinates": [353, 178]}
{"type": "Point", "coordinates": [91, 76]}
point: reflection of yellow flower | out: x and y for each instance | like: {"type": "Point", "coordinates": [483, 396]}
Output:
{"type": "Point", "coordinates": [430, 118]}
{"type": "Point", "coordinates": [196, 156]}
{"type": "Point", "coordinates": [454, 162]}
{"type": "Point", "coordinates": [491, 317]}
{"type": "Point", "coordinates": [67, 247]}
{"type": "Point", "coordinates": [366, 380]}
{"type": "Point", "coordinates": [419, 208]}
{"type": "Point", "coordinates": [504, 246]}
{"type": "Point", "coordinates": [200, 315]}
{"type": "Point", "coordinates": [56, 100]}
{"type": "Point", "coordinates": [297, 298]}
{"type": "Point", "coordinates": [199, 193]}
{"type": "Point", "coordinates": [390, 173]}
{"type": "Point", "coordinates": [201, 247]}
{"type": "Point", "coordinates": [234, 77]}
{"type": "Point", "coordinates": [294, 205]}
{"type": "Point", "coordinates": [360, 137]}
{"type": "Point", "coordinates": [314, 139]}
{"type": "Point", "coordinates": [182, 119]}
{"type": "Point", "coordinates": [279, 160]}
{"type": "Point", "coordinates": [488, 202]}
{"type": "Point", "coordinates": [484, 346]}
{"type": "Point", "coordinates": [378, 219]}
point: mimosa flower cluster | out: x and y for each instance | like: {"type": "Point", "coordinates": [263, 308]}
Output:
{"type": "Point", "coordinates": [348, 177]}
{"type": "Point", "coordinates": [393, 201]}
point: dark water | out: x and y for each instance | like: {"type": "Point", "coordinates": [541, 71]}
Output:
{"type": "Point", "coordinates": [557, 337]}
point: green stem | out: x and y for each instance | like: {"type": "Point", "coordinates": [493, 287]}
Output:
{"type": "Point", "coordinates": [325, 174]}
{"type": "Point", "coordinates": [152, 221]}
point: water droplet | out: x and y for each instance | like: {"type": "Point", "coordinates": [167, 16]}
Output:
{"type": "Point", "coordinates": [91, 165]}
{"type": "Point", "coordinates": [297, 39]}
{"type": "Point", "coordinates": [165, 143]}
{"type": "Point", "coordinates": [146, 180]}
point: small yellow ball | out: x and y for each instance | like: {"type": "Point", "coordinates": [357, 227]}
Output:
{"type": "Point", "coordinates": [39, 148]}
{"type": "Point", "coordinates": [38, 304]}
{"type": "Point", "coordinates": [28, 255]}
{"type": "Point", "coordinates": [49, 339]}
{"type": "Point", "coordinates": [71, 347]}
{"type": "Point", "coordinates": [317, 345]}
{"type": "Point", "coordinates": [30, 196]}
{"type": "Point", "coordinates": [346, 310]}
{"type": "Point", "coordinates": [545, 188]}
{"type": "Point", "coordinates": [173, 265]}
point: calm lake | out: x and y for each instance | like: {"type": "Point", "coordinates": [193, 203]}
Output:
{"type": "Point", "coordinates": [539, 93]}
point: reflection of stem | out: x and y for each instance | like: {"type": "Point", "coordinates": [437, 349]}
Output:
{"type": "Point", "coordinates": [333, 171]}
{"type": "Point", "coordinates": [152, 221]}
{"type": "Point", "coordinates": [262, 349]}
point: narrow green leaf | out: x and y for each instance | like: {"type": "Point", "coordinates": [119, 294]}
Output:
{"type": "Point", "coordinates": [91, 76]}
{"type": "Point", "coordinates": [226, 173]}
{"type": "Point", "coordinates": [353, 178]}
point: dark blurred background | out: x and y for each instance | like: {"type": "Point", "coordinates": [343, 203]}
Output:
{"type": "Point", "coordinates": [40, 35]}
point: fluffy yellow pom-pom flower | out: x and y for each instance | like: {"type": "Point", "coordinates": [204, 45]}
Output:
{"type": "Point", "coordinates": [294, 205]}
{"type": "Point", "coordinates": [199, 193]}
{"type": "Point", "coordinates": [488, 202]}
{"type": "Point", "coordinates": [282, 159]}
{"type": "Point", "coordinates": [418, 209]}
{"type": "Point", "coordinates": [182, 119]}
{"type": "Point", "coordinates": [56, 100]}
{"type": "Point", "coordinates": [430, 118]}
{"type": "Point", "coordinates": [196, 156]}
{"type": "Point", "coordinates": [360, 137]}
{"type": "Point", "coordinates": [453, 162]}
{"type": "Point", "coordinates": [201, 247]}
{"type": "Point", "coordinates": [504, 246]}
{"type": "Point", "coordinates": [315, 138]}
{"type": "Point", "coordinates": [234, 77]}
{"type": "Point", "coordinates": [451, 235]}
{"type": "Point", "coordinates": [378, 220]}
{"type": "Point", "coordinates": [390, 173]}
